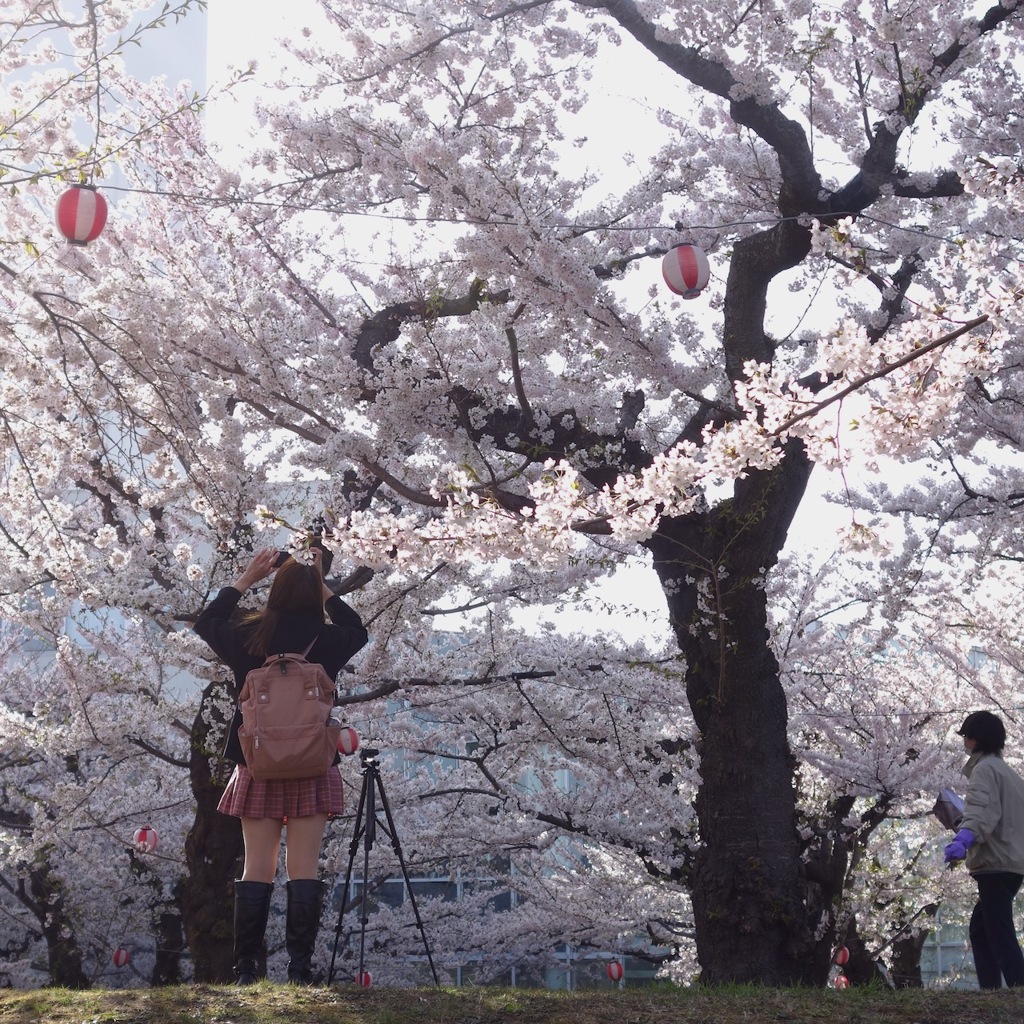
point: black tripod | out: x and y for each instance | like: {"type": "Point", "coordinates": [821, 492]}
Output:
{"type": "Point", "coordinates": [366, 829]}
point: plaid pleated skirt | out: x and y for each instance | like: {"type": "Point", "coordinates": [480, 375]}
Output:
{"type": "Point", "coordinates": [244, 797]}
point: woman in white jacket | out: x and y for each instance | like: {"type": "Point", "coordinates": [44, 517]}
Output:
{"type": "Point", "coordinates": [991, 837]}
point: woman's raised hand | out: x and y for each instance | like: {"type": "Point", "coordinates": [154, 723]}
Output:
{"type": "Point", "coordinates": [263, 563]}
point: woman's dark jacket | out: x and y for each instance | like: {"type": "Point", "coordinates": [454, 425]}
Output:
{"type": "Point", "coordinates": [336, 642]}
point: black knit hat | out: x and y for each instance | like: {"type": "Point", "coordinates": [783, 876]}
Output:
{"type": "Point", "coordinates": [986, 730]}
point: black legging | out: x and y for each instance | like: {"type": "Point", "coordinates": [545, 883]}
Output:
{"type": "Point", "coordinates": [997, 953]}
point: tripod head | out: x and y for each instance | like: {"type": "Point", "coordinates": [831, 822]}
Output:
{"type": "Point", "coordinates": [368, 756]}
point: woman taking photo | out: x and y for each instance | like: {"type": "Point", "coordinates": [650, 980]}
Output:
{"type": "Point", "coordinates": [292, 621]}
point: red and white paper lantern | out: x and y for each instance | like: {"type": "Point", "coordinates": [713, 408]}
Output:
{"type": "Point", "coordinates": [81, 214]}
{"type": "Point", "coordinates": [615, 971]}
{"type": "Point", "coordinates": [686, 271]}
{"type": "Point", "coordinates": [364, 979]}
{"type": "Point", "coordinates": [145, 838]}
{"type": "Point", "coordinates": [841, 981]}
{"type": "Point", "coordinates": [348, 740]}
{"type": "Point", "coordinates": [841, 956]}
{"type": "Point", "coordinates": [121, 956]}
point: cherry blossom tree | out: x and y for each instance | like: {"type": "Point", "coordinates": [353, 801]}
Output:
{"type": "Point", "coordinates": [96, 732]}
{"type": "Point", "coordinates": [550, 406]}
{"type": "Point", "coordinates": [424, 311]}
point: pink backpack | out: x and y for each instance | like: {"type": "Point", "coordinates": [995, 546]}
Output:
{"type": "Point", "coordinates": [286, 732]}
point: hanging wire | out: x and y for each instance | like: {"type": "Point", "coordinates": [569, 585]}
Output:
{"type": "Point", "coordinates": [755, 222]}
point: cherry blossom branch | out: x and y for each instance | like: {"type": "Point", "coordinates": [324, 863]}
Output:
{"type": "Point", "coordinates": [420, 497]}
{"type": "Point", "coordinates": [435, 794]}
{"type": "Point", "coordinates": [278, 420]}
{"type": "Point", "coordinates": [784, 135]}
{"type": "Point", "coordinates": [540, 717]}
{"type": "Point", "coordinates": [295, 279]}
{"type": "Point", "coordinates": [479, 762]}
{"type": "Point", "coordinates": [27, 464]}
{"type": "Point", "coordinates": [88, 161]}
{"type": "Point", "coordinates": [159, 754]}
{"type": "Point", "coordinates": [452, 33]}
{"type": "Point", "coordinates": [877, 374]}
{"type": "Point", "coordinates": [384, 690]}
{"type": "Point", "coordinates": [95, 48]}
{"type": "Point", "coordinates": [517, 370]}
{"type": "Point", "coordinates": [386, 324]}
{"type": "Point", "coordinates": [878, 166]}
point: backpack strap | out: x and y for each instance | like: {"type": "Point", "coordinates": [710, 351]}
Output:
{"type": "Point", "coordinates": [272, 658]}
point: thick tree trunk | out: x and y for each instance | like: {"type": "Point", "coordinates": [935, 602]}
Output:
{"type": "Point", "coordinates": [170, 941]}
{"type": "Point", "coordinates": [165, 921]}
{"type": "Point", "coordinates": [905, 962]}
{"type": "Point", "coordinates": [747, 888]}
{"type": "Point", "coordinates": [213, 852]}
{"type": "Point", "coordinates": [46, 899]}
{"type": "Point", "coordinates": [862, 968]}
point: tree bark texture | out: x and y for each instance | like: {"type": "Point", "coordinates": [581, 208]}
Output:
{"type": "Point", "coordinates": [48, 902]}
{"type": "Point", "coordinates": [905, 961]}
{"type": "Point", "coordinates": [170, 942]}
{"type": "Point", "coordinates": [747, 889]}
{"type": "Point", "coordinates": [213, 854]}
{"type": "Point", "coordinates": [165, 922]}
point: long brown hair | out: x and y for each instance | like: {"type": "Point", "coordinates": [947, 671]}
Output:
{"type": "Point", "coordinates": [296, 588]}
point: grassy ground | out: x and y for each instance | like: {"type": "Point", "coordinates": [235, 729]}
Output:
{"type": "Point", "coordinates": [279, 1004]}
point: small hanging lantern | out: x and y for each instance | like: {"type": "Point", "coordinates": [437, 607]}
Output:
{"type": "Point", "coordinates": [81, 214]}
{"type": "Point", "coordinates": [841, 956]}
{"type": "Point", "coordinates": [841, 981]}
{"type": "Point", "coordinates": [686, 271]}
{"type": "Point", "coordinates": [364, 979]}
{"type": "Point", "coordinates": [615, 971]}
{"type": "Point", "coordinates": [121, 956]}
{"type": "Point", "coordinates": [145, 839]}
{"type": "Point", "coordinates": [348, 740]}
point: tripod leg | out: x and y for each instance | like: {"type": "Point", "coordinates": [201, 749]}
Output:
{"type": "Point", "coordinates": [397, 847]}
{"type": "Point", "coordinates": [370, 833]}
{"type": "Point", "coordinates": [358, 830]}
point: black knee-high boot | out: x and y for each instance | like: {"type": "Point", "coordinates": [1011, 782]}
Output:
{"type": "Point", "coordinates": [252, 907]}
{"type": "Point", "coordinates": [305, 899]}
